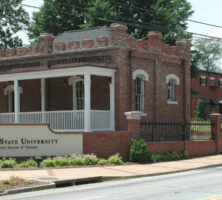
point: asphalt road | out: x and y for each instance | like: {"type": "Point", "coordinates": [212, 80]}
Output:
{"type": "Point", "coordinates": [197, 184]}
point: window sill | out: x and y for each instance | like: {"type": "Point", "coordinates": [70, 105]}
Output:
{"type": "Point", "coordinates": [172, 102]}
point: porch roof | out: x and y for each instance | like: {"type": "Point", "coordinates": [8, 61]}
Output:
{"type": "Point", "coordinates": [58, 73]}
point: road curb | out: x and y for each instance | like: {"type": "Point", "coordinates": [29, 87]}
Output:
{"type": "Point", "coordinates": [29, 189]}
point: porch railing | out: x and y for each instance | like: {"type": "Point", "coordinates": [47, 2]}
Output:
{"type": "Point", "coordinates": [61, 120]}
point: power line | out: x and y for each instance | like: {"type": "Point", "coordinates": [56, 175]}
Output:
{"type": "Point", "coordinates": [153, 11]}
{"type": "Point", "coordinates": [148, 26]}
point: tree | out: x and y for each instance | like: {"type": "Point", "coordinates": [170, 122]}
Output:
{"type": "Point", "coordinates": [13, 19]}
{"type": "Point", "coordinates": [200, 109]}
{"type": "Point", "coordinates": [167, 16]}
{"type": "Point", "coordinates": [210, 51]}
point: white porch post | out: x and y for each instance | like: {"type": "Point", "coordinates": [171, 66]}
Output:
{"type": "Point", "coordinates": [16, 100]}
{"type": "Point", "coordinates": [43, 99]}
{"type": "Point", "coordinates": [87, 102]}
{"type": "Point", "coordinates": [112, 103]}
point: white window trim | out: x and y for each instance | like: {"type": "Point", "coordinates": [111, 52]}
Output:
{"type": "Point", "coordinates": [10, 88]}
{"type": "Point", "coordinates": [220, 82]}
{"type": "Point", "coordinates": [139, 73]}
{"type": "Point", "coordinates": [174, 77]}
{"type": "Point", "coordinates": [212, 78]}
{"type": "Point", "coordinates": [202, 76]}
{"type": "Point", "coordinates": [72, 81]}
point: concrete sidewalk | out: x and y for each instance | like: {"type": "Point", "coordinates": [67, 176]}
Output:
{"type": "Point", "coordinates": [116, 171]}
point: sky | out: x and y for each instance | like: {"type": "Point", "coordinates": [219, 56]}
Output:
{"type": "Point", "coordinates": [208, 11]}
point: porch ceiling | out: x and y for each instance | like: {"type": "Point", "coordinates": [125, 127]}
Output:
{"type": "Point", "coordinates": [58, 73]}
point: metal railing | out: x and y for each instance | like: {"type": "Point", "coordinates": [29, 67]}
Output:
{"type": "Point", "coordinates": [175, 131]}
{"type": "Point", "coordinates": [61, 120]}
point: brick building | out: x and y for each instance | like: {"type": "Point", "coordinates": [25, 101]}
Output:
{"type": "Point", "coordinates": [207, 86]}
{"type": "Point", "coordinates": [86, 80]}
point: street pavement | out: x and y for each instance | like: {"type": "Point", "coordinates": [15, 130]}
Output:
{"type": "Point", "coordinates": [131, 170]}
{"type": "Point", "coordinates": [199, 184]}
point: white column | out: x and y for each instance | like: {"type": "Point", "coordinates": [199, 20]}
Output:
{"type": "Point", "coordinates": [112, 103]}
{"type": "Point", "coordinates": [16, 100]}
{"type": "Point", "coordinates": [43, 99]}
{"type": "Point", "coordinates": [87, 102]}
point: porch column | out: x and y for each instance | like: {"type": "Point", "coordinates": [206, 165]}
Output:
{"type": "Point", "coordinates": [16, 100]}
{"type": "Point", "coordinates": [112, 103]}
{"type": "Point", "coordinates": [87, 102]}
{"type": "Point", "coordinates": [43, 99]}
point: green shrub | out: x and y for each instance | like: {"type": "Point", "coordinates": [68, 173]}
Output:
{"type": "Point", "coordinates": [167, 156]}
{"type": "Point", "coordinates": [102, 162]}
{"type": "Point", "coordinates": [200, 109]}
{"type": "Point", "coordinates": [8, 163]}
{"type": "Point", "coordinates": [115, 159]}
{"type": "Point", "coordinates": [76, 160]}
{"type": "Point", "coordinates": [90, 159]}
{"type": "Point", "coordinates": [62, 161]}
{"type": "Point", "coordinates": [29, 163]}
{"type": "Point", "coordinates": [138, 151]}
{"type": "Point", "coordinates": [48, 162]}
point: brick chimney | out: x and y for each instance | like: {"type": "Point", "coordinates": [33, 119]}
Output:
{"type": "Point", "coordinates": [183, 47]}
{"type": "Point", "coordinates": [46, 42]}
{"type": "Point", "coordinates": [154, 40]}
{"type": "Point", "coordinates": [118, 32]}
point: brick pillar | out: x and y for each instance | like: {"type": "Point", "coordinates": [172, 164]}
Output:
{"type": "Point", "coordinates": [134, 119]}
{"type": "Point", "coordinates": [215, 129]}
{"type": "Point", "coordinates": [46, 42]}
{"type": "Point", "coordinates": [154, 40]}
{"type": "Point", "coordinates": [118, 33]}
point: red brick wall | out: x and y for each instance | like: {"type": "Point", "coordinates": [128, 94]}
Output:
{"type": "Point", "coordinates": [100, 93]}
{"type": "Point", "coordinates": [193, 148]}
{"type": "Point", "coordinates": [104, 144]}
{"type": "Point", "coordinates": [206, 91]}
{"type": "Point", "coordinates": [163, 147]}
{"type": "Point", "coordinates": [200, 148]}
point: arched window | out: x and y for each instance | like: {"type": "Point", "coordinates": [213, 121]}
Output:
{"type": "Point", "coordinates": [171, 91]}
{"type": "Point", "coordinates": [140, 76]}
{"type": "Point", "coordinates": [139, 92]}
{"type": "Point", "coordinates": [172, 80]}
{"type": "Point", "coordinates": [9, 91]}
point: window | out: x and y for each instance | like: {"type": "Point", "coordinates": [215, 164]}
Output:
{"type": "Point", "coordinates": [140, 76]}
{"type": "Point", "coordinates": [11, 101]}
{"type": "Point", "coordinates": [78, 95]}
{"type": "Point", "coordinates": [212, 80]}
{"type": "Point", "coordinates": [172, 81]}
{"type": "Point", "coordinates": [139, 91]}
{"type": "Point", "coordinates": [203, 80]}
{"type": "Point", "coordinates": [171, 91]}
{"type": "Point", "coordinates": [220, 83]}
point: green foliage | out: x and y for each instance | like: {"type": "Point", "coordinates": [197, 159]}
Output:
{"type": "Point", "coordinates": [13, 19]}
{"type": "Point", "coordinates": [62, 161]}
{"type": "Point", "coordinates": [102, 162]}
{"type": "Point", "coordinates": [8, 163]}
{"type": "Point", "coordinates": [90, 159]}
{"type": "Point", "coordinates": [195, 59]}
{"type": "Point", "coordinates": [171, 15]}
{"type": "Point", "coordinates": [138, 151]}
{"type": "Point", "coordinates": [29, 163]}
{"type": "Point", "coordinates": [200, 109]}
{"type": "Point", "coordinates": [115, 159]}
{"type": "Point", "coordinates": [48, 162]}
{"type": "Point", "coordinates": [210, 52]}
{"type": "Point", "coordinates": [76, 160]}
{"type": "Point", "coordinates": [167, 156]}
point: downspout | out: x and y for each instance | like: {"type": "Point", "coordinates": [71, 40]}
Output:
{"type": "Point", "coordinates": [184, 88]}
{"type": "Point", "coordinates": [130, 70]}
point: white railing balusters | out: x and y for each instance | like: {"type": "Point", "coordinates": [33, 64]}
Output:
{"type": "Point", "coordinates": [62, 120]}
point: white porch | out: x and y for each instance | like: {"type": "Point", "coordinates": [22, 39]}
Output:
{"type": "Point", "coordinates": [84, 119]}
